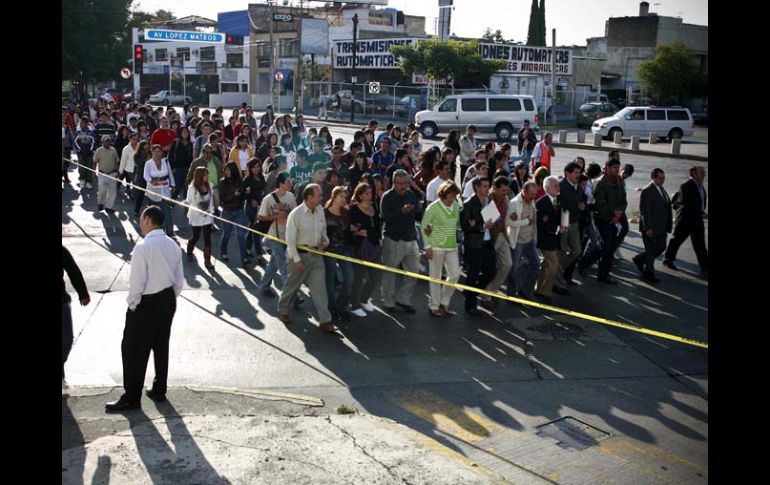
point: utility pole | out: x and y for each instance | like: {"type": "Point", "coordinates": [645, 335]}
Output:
{"type": "Point", "coordinates": [272, 56]}
{"type": "Point", "coordinates": [553, 75]}
{"type": "Point", "coordinates": [353, 78]}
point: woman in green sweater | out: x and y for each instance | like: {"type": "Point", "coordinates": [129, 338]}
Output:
{"type": "Point", "coordinates": [439, 229]}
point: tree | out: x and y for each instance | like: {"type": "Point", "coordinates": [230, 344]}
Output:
{"type": "Point", "coordinates": [542, 30]}
{"type": "Point", "coordinates": [495, 37]}
{"type": "Point", "coordinates": [92, 35]}
{"type": "Point", "coordinates": [673, 75]}
{"type": "Point", "coordinates": [439, 60]}
{"type": "Point", "coordinates": [534, 25]}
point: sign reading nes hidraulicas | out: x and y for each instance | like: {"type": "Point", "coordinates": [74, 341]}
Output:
{"type": "Point", "coordinates": [371, 53]}
{"type": "Point", "coordinates": [528, 59]}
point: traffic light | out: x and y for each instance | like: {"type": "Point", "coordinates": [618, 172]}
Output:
{"type": "Point", "coordinates": [232, 39]}
{"type": "Point", "coordinates": [138, 59]}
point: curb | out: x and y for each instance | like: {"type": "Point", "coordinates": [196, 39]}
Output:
{"type": "Point", "coordinates": [633, 152]}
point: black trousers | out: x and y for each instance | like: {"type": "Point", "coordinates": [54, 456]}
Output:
{"type": "Point", "coordinates": [697, 233]}
{"type": "Point", "coordinates": [197, 234]}
{"type": "Point", "coordinates": [147, 328]}
{"type": "Point", "coordinates": [481, 268]}
{"type": "Point", "coordinates": [66, 333]}
{"type": "Point", "coordinates": [653, 247]}
{"type": "Point", "coordinates": [609, 234]}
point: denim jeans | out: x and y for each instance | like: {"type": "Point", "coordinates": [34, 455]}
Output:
{"type": "Point", "coordinates": [168, 221]}
{"type": "Point", "coordinates": [251, 238]}
{"type": "Point", "coordinates": [180, 174]}
{"type": "Point", "coordinates": [238, 217]}
{"type": "Point", "coordinates": [338, 300]}
{"type": "Point", "coordinates": [276, 265]}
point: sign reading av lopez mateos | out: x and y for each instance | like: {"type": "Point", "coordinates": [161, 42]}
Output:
{"type": "Point", "coordinates": [526, 59]}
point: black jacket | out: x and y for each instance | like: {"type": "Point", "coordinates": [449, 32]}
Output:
{"type": "Point", "coordinates": [531, 137]}
{"type": "Point", "coordinates": [227, 197]}
{"type": "Point", "coordinates": [690, 213]}
{"type": "Point", "coordinates": [473, 236]}
{"type": "Point", "coordinates": [547, 239]}
{"type": "Point", "coordinates": [569, 198]}
{"type": "Point", "coordinates": [398, 226]}
{"type": "Point", "coordinates": [655, 211]}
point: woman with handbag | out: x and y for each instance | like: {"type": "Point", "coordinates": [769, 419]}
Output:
{"type": "Point", "coordinates": [439, 230]}
{"type": "Point", "coordinates": [338, 230]}
{"type": "Point", "coordinates": [200, 194]}
{"type": "Point", "coordinates": [367, 225]}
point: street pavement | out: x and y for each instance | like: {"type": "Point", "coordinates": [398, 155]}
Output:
{"type": "Point", "coordinates": [518, 395]}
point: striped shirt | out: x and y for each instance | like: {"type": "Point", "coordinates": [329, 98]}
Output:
{"type": "Point", "coordinates": [444, 222]}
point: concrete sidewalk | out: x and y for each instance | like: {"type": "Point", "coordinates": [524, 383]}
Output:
{"type": "Point", "coordinates": [220, 437]}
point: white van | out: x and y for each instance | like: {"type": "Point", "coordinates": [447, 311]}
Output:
{"type": "Point", "coordinates": [666, 122]}
{"type": "Point", "coordinates": [501, 113]}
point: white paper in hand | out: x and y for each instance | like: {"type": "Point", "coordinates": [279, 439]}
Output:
{"type": "Point", "coordinates": [490, 212]}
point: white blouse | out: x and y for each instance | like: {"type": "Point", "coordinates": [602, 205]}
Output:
{"type": "Point", "coordinates": [163, 179]}
{"type": "Point", "coordinates": [202, 202]}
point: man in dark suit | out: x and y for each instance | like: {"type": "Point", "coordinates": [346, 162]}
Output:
{"type": "Point", "coordinates": [549, 230]}
{"type": "Point", "coordinates": [655, 224]}
{"type": "Point", "coordinates": [479, 244]}
{"type": "Point", "coordinates": [690, 215]}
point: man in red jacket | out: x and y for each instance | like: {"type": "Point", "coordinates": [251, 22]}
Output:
{"type": "Point", "coordinates": [163, 136]}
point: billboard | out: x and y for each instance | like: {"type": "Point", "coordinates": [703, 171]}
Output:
{"type": "Point", "coordinates": [315, 36]}
{"type": "Point", "coordinates": [528, 59]}
{"type": "Point", "coordinates": [371, 54]}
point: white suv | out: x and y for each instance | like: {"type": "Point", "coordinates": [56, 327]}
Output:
{"type": "Point", "coordinates": [666, 122]}
{"type": "Point", "coordinates": [501, 113]}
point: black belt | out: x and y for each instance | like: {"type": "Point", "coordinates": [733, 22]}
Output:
{"type": "Point", "coordinates": [162, 293]}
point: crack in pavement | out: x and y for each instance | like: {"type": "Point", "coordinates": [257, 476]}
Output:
{"type": "Point", "coordinates": [365, 452]}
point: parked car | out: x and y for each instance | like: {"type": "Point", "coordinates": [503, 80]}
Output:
{"type": "Point", "coordinates": [370, 104]}
{"type": "Point", "coordinates": [666, 122]}
{"type": "Point", "coordinates": [503, 114]}
{"type": "Point", "coordinates": [702, 117]}
{"type": "Point", "coordinates": [170, 98]}
{"type": "Point", "coordinates": [590, 112]}
{"type": "Point", "coordinates": [410, 101]}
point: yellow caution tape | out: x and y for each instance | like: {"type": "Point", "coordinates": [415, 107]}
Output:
{"type": "Point", "coordinates": [459, 286]}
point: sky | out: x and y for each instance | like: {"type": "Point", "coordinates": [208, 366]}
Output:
{"type": "Point", "coordinates": [574, 20]}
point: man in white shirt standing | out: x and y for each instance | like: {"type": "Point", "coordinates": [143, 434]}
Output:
{"type": "Point", "coordinates": [431, 191]}
{"type": "Point", "coordinates": [156, 280]}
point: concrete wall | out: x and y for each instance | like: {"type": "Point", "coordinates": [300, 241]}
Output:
{"type": "Point", "coordinates": [672, 30]}
{"type": "Point", "coordinates": [586, 71]}
{"type": "Point", "coordinates": [596, 47]}
{"type": "Point", "coordinates": [632, 32]}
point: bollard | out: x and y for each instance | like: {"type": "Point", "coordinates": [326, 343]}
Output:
{"type": "Point", "coordinates": [597, 139]}
{"type": "Point", "coordinates": [618, 138]}
{"type": "Point", "coordinates": [634, 143]}
{"type": "Point", "coordinates": [653, 138]}
{"type": "Point", "coordinates": [581, 137]}
{"type": "Point", "coordinates": [676, 147]}
{"type": "Point", "coordinates": [562, 136]}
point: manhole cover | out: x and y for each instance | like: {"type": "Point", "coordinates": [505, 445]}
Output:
{"type": "Point", "coordinates": [559, 330]}
{"type": "Point", "coordinates": [570, 432]}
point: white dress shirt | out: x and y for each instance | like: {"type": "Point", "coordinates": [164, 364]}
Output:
{"type": "Point", "coordinates": [431, 191]}
{"type": "Point", "coordinates": [156, 264]}
{"type": "Point", "coordinates": [127, 159]}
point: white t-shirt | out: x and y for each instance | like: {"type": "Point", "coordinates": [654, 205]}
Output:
{"type": "Point", "coordinates": [431, 191]}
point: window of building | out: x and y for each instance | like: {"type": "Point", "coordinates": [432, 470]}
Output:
{"type": "Point", "coordinates": [161, 55]}
{"type": "Point", "coordinates": [183, 52]}
{"type": "Point", "coordinates": [244, 88]}
{"type": "Point", "coordinates": [288, 47]}
{"type": "Point", "coordinates": [229, 87]}
{"type": "Point", "coordinates": [207, 54]}
{"type": "Point", "coordinates": [234, 60]}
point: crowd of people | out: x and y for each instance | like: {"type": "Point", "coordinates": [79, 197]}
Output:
{"type": "Point", "coordinates": [510, 226]}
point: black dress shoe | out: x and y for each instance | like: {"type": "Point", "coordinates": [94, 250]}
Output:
{"type": "Point", "coordinates": [639, 264]}
{"type": "Point", "coordinates": [650, 277]}
{"type": "Point", "coordinates": [298, 301]}
{"type": "Point", "coordinates": [269, 292]}
{"type": "Point", "coordinates": [571, 282]}
{"type": "Point", "coordinates": [155, 396]}
{"type": "Point", "coordinates": [560, 291]}
{"type": "Point", "coordinates": [670, 264]}
{"type": "Point", "coordinates": [407, 308]}
{"type": "Point", "coordinates": [121, 404]}
{"type": "Point", "coordinates": [475, 312]}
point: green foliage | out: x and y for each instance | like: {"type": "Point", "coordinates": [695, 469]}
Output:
{"type": "Point", "coordinates": [673, 75]}
{"type": "Point", "coordinates": [437, 59]}
{"type": "Point", "coordinates": [495, 37]}
{"type": "Point", "coordinates": [534, 24]}
{"type": "Point", "coordinates": [542, 40]}
{"type": "Point", "coordinates": [346, 410]}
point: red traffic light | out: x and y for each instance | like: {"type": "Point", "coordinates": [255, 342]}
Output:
{"type": "Point", "coordinates": [230, 38]}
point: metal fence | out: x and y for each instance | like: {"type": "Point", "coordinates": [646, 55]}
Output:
{"type": "Point", "coordinates": [393, 102]}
